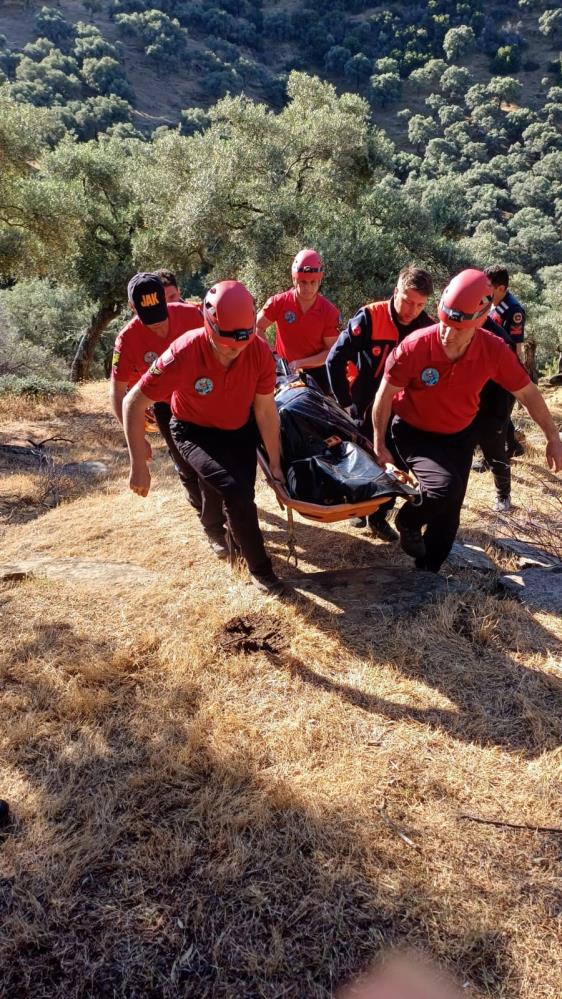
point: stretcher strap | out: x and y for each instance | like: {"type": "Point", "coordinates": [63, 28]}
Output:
{"type": "Point", "coordinates": [292, 555]}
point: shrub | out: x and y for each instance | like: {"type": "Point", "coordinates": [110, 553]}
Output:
{"type": "Point", "coordinates": [35, 385]}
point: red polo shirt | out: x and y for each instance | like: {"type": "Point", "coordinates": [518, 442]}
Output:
{"type": "Point", "coordinates": [203, 391]}
{"type": "Point", "coordinates": [301, 334]}
{"type": "Point", "coordinates": [440, 395]}
{"type": "Point", "coordinates": [137, 345]}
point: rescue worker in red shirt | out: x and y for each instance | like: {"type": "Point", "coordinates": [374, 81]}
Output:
{"type": "Point", "coordinates": [355, 364]}
{"type": "Point", "coordinates": [432, 384]}
{"type": "Point", "coordinates": [221, 380]}
{"type": "Point", "coordinates": [307, 324]}
{"type": "Point", "coordinates": [155, 326]}
{"type": "Point", "coordinates": [169, 280]}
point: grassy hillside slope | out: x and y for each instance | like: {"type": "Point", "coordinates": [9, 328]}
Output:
{"type": "Point", "coordinates": [209, 807]}
{"type": "Point", "coordinates": [161, 95]}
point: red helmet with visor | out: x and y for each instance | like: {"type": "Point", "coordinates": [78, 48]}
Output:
{"type": "Point", "coordinates": [308, 266]}
{"type": "Point", "coordinates": [466, 299]}
{"type": "Point", "coordinates": [229, 314]}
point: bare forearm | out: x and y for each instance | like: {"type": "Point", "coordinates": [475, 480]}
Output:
{"type": "Point", "coordinates": [117, 392]}
{"type": "Point", "coordinates": [270, 432]}
{"type": "Point", "coordinates": [533, 401]}
{"type": "Point", "coordinates": [133, 424]}
{"type": "Point", "coordinates": [262, 325]}
{"type": "Point", "coordinates": [381, 415]}
{"type": "Point", "coordinates": [314, 361]}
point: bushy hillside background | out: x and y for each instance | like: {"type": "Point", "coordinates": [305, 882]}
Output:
{"type": "Point", "coordinates": [218, 139]}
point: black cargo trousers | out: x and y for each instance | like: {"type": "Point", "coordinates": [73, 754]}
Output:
{"type": "Point", "coordinates": [492, 435]}
{"type": "Point", "coordinates": [223, 464]}
{"type": "Point", "coordinates": [187, 477]}
{"type": "Point", "coordinates": [441, 464]}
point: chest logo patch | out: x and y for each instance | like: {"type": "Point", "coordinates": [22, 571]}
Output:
{"type": "Point", "coordinates": [430, 376]}
{"type": "Point", "coordinates": [290, 317]}
{"type": "Point", "coordinates": [376, 351]}
{"type": "Point", "coordinates": [150, 356]}
{"type": "Point", "coordinates": [203, 386]}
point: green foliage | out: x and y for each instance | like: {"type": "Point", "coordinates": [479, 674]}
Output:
{"type": "Point", "coordinates": [507, 59]}
{"type": "Point", "coordinates": [357, 69]}
{"type": "Point", "coordinates": [429, 76]}
{"type": "Point", "coordinates": [458, 42]}
{"type": "Point", "coordinates": [420, 130]}
{"type": "Point", "coordinates": [105, 76]}
{"type": "Point", "coordinates": [36, 386]}
{"type": "Point", "coordinates": [48, 319]}
{"type": "Point", "coordinates": [51, 23]}
{"type": "Point", "coordinates": [385, 89]}
{"type": "Point", "coordinates": [455, 81]}
{"type": "Point", "coordinates": [163, 38]}
{"type": "Point", "coordinates": [550, 24]}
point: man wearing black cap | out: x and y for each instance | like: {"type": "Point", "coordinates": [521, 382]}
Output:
{"type": "Point", "coordinates": [156, 325]}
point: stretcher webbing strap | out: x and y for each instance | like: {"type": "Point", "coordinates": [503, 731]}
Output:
{"type": "Point", "coordinates": [292, 556]}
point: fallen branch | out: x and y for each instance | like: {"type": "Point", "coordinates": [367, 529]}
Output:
{"type": "Point", "coordinates": [399, 832]}
{"type": "Point", "coordinates": [40, 444]}
{"type": "Point", "coordinates": [509, 825]}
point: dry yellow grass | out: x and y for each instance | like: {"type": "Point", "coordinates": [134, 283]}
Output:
{"type": "Point", "coordinates": [193, 820]}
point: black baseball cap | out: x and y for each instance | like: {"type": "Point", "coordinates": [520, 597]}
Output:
{"type": "Point", "coordinates": [146, 292]}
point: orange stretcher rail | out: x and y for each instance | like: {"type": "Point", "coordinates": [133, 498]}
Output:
{"type": "Point", "coordinates": [339, 511]}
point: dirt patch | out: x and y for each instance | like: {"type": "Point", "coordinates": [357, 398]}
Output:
{"type": "Point", "coordinates": [253, 633]}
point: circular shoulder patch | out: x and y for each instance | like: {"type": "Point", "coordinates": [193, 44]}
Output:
{"type": "Point", "coordinates": [290, 317]}
{"type": "Point", "coordinates": [150, 356]}
{"type": "Point", "coordinates": [204, 385]}
{"type": "Point", "coordinates": [517, 318]}
{"type": "Point", "coordinates": [430, 376]}
{"type": "Point", "coordinates": [356, 330]}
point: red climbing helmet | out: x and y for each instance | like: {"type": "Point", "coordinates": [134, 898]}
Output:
{"type": "Point", "coordinates": [308, 266]}
{"type": "Point", "coordinates": [229, 314]}
{"type": "Point", "coordinates": [466, 299]}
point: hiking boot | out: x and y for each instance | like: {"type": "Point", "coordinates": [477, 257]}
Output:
{"type": "Point", "coordinates": [381, 529]}
{"type": "Point", "coordinates": [219, 548]}
{"type": "Point", "coordinates": [480, 465]}
{"type": "Point", "coordinates": [517, 450]}
{"type": "Point", "coordinates": [502, 505]}
{"type": "Point", "coordinates": [268, 583]}
{"type": "Point", "coordinates": [411, 542]}
{"type": "Point", "coordinates": [358, 521]}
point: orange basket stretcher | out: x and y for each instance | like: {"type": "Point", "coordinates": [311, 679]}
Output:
{"type": "Point", "coordinates": [330, 513]}
{"type": "Point", "coordinates": [325, 514]}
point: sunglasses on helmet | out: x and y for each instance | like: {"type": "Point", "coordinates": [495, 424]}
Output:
{"type": "Point", "coordinates": [239, 336]}
{"type": "Point", "coordinates": [465, 317]}
{"type": "Point", "coordinates": [308, 270]}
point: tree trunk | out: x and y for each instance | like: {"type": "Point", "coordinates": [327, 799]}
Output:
{"type": "Point", "coordinates": [530, 350]}
{"type": "Point", "coordinates": [81, 364]}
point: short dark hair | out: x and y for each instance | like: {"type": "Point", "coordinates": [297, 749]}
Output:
{"type": "Point", "coordinates": [417, 279]}
{"type": "Point", "coordinates": [167, 277]}
{"type": "Point", "coordinates": [497, 275]}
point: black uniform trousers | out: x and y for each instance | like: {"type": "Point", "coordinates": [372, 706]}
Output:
{"type": "Point", "coordinates": [209, 506]}
{"type": "Point", "coordinates": [441, 464]}
{"type": "Point", "coordinates": [493, 437]}
{"type": "Point", "coordinates": [225, 462]}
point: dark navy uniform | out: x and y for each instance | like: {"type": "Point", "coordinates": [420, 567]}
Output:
{"type": "Point", "coordinates": [510, 314]}
{"type": "Point", "coordinates": [356, 361]}
{"type": "Point", "coordinates": [493, 421]}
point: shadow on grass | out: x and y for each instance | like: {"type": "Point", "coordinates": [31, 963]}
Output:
{"type": "Point", "coordinates": [168, 863]}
